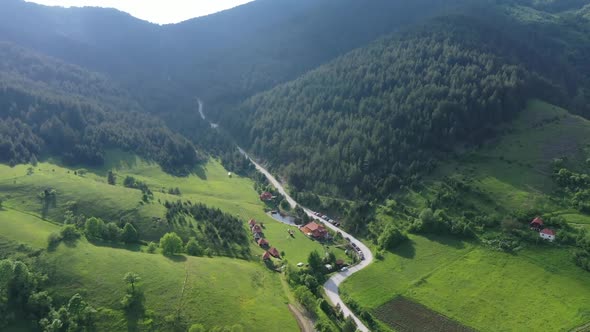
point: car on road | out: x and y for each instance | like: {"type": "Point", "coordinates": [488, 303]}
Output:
{"type": "Point", "coordinates": [344, 269]}
{"type": "Point", "coordinates": [325, 217]}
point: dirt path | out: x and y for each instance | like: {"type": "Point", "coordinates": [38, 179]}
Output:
{"type": "Point", "coordinates": [305, 323]}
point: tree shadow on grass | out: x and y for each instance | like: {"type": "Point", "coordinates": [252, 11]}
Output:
{"type": "Point", "coordinates": [405, 250]}
{"type": "Point", "coordinates": [135, 313]}
{"type": "Point", "coordinates": [176, 258]}
{"type": "Point", "coordinates": [200, 171]}
{"type": "Point", "coordinates": [447, 240]}
{"type": "Point", "coordinates": [135, 247]}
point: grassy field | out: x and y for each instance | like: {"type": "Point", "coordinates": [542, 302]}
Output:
{"type": "Point", "coordinates": [480, 288]}
{"type": "Point", "coordinates": [486, 290]}
{"type": "Point", "coordinates": [515, 170]}
{"type": "Point", "coordinates": [218, 291]}
{"type": "Point", "coordinates": [94, 197]}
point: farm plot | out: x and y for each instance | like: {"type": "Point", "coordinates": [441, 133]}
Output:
{"type": "Point", "coordinates": [404, 315]}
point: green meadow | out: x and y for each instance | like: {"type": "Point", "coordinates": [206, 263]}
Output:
{"type": "Point", "coordinates": [470, 283]}
{"type": "Point", "coordinates": [209, 185]}
{"type": "Point", "coordinates": [483, 289]}
{"type": "Point", "coordinates": [216, 291]}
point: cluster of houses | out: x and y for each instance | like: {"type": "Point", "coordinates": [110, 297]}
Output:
{"type": "Point", "coordinates": [545, 233]}
{"type": "Point", "coordinates": [315, 231]}
{"type": "Point", "coordinates": [262, 242]}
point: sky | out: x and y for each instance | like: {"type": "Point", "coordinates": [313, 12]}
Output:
{"type": "Point", "coordinates": [156, 11]}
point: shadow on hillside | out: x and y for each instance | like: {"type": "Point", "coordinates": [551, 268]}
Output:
{"type": "Point", "coordinates": [135, 313]}
{"type": "Point", "coordinates": [446, 240]}
{"type": "Point", "coordinates": [176, 258]}
{"type": "Point", "coordinates": [131, 247]}
{"type": "Point", "coordinates": [405, 250]}
{"type": "Point", "coordinates": [200, 171]}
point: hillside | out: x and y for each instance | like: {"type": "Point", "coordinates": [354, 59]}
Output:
{"type": "Point", "coordinates": [222, 58]}
{"type": "Point", "coordinates": [225, 285]}
{"type": "Point", "coordinates": [196, 290]}
{"type": "Point", "coordinates": [381, 116]}
{"type": "Point", "coordinates": [48, 107]}
{"type": "Point", "coordinates": [494, 191]}
{"type": "Point", "coordinates": [413, 96]}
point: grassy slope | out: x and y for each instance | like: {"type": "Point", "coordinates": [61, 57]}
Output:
{"type": "Point", "coordinates": [515, 171]}
{"type": "Point", "coordinates": [491, 290]}
{"type": "Point", "coordinates": [483, 289]}
{"type": "Point", "coordinates": [219, 291]}
{"type": "Point", "coordinates": [95, 197]}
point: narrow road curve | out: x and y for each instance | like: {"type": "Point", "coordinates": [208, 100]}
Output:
{"type": "Point", "coordinates": [331, 286]}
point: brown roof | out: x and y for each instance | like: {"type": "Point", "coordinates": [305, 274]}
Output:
{"type": "Point", "coordinates": [537, 221]}
{"type": "Point", "coordinates": [256, 229]}
{"type": "Point", "coordinates": [266, 255]}
{"type": "Point", "coordinates": [273, 251]}
{"type": "Point", "coordinates": [262, 242]}
{"type": "Point", "coordinates": [548, 231]}
{"type": "Point", "coordinates": [312, 226]}
{"type": "Point", "coordinates": [252, 222]}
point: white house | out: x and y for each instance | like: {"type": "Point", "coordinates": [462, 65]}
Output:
{"type": "Point", "coordinates": [547, 234]}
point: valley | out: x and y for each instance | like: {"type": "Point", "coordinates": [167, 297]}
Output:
{"type": "Point", "coordinates": [295, 165]}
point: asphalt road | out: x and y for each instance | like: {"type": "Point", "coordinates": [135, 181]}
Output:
{"type": "Point", "coordinates": [331, 286]}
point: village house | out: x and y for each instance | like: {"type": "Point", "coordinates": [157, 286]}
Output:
{"type": "Point", "coordinates": [256, 229]}
{"type": "Point", "coordinates": [251, 223]}
{"type": "Point", "coordinates": [274, 252]}
{"type": "Point", "coordinates": [265, 256]}
{"type": "Point", "coordinates": [547, 234]}
{"type": "Point", "coordinates": [266, 196]}
{"type": "Point", "coordinates": [315, 230]}
{"type": "Point", "coordinates": [537, 224]}
{"type": "Point", "coordinates": [263, 243]}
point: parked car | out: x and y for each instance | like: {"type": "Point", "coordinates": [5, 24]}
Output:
{"type": "Point", "coordinates": [300, 264]}
{"type": "Point", "coordinates": [325, 217]}
{"type": "Point", "coordinates": [344, 269]}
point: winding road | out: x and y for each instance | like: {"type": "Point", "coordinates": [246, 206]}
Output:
{"type": "Point", "coordinates": [331, 286]}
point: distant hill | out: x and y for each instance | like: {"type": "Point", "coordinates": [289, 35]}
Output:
{"type": "Point", "coordinates": [50, 107]}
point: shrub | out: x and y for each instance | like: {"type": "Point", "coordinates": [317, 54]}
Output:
{"type": "Point", "coordinates": [69, 233]}
{"type": "Point", "coordinates": [129, 234]}
{"type": "Point", "coordinates": [152, 247]}
{"type": "Point", "coordinates": [54, 239]}
{"type": "Point", "coordinates": [193, 248]}
{"type": "Point", "coordinates": [171, 243]}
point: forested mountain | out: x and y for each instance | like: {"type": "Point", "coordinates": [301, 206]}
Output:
{"type": "Point", "coordinates": [49, 107]}
{"type": "Point", "coordinates": [222, 58]}
{"type": "Point", "coordinates": [375, 119]}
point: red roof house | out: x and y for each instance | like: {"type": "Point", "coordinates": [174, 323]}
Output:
{"type": "Point", "coordinates": [256, 229]}
{"type": "Point", "coordinates": [266, 256]}
{"type": "Point", "coordinates": [537, 223]}
{"type": "Point", "coordinates": [265, 196]}
{"type": "Point", "coordinates": [547, 234]}
{"type": "Point", "coordinates": [274, 252]}
{"type": "Point", "coordinates": [315, 230]}
{"type": "Point", "coordinates": [263, 243]}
